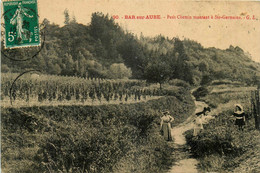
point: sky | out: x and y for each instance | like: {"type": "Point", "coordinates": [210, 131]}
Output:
{"type": "Point", "coordinates": [219, 33]}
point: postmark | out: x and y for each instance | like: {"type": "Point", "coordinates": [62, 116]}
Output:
{"type": "Point", "coordinates": [21, 24]}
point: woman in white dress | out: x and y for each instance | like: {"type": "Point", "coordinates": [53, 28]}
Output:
{"type": "Point", "coordinates": [198, 125]}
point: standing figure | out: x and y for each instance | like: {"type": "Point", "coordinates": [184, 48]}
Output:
{"type": "Point", "coordinates": [166, 120]}
{"type": "Point", "coordinates": [240, 116]}
{"type": "Point", "coordinates": [17, 20]}
{"type": "Point", "coordinates": [198, 125]}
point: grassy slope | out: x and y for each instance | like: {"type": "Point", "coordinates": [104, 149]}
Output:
{"type": "Point", "coordinates": [232, 63]}
{"type": "Point", "coordinates": [107, 138]}
{"type": "Point", "coordinates": [221, 147]}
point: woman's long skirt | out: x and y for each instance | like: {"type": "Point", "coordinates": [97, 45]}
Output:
{"type": "Point", "coordinates": [166, 129]}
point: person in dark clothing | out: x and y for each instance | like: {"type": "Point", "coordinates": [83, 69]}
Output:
{"type": "Point", "coordinates": [205, 109]}
{"type": "Point", "coordinates": [240, 116]}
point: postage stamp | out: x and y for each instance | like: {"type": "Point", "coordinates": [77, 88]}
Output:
{"type": "Point", "coordinates": [21, 23]}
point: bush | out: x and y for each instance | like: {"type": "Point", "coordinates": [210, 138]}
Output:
{"type": "Point", "coordinates": [91, 138]}
{"type": "Point", "coordinates": [221, 142]}
{"type": "Point", "coordinates": [178, 82]}
{"type": "Point", "coordinates": [119, 71]}
{"type": "Point", "coordinates": [4, 68]}
{"type": "Point", "coordinates": [226, 82]}
{"type": "Point", "coordinates": [200, 92]}
{"type": "Point", "coordinates": [211, 143]}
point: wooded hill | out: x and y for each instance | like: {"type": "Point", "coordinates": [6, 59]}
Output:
{"type": "Point", "coordinates": [103, 49]}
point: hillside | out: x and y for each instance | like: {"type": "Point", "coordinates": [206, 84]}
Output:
{"type": "Point", "coordinates": [106, 138]}
{"type": "Point", "coordinates": [221, 146]}
{"type": "Point", "coordinates": [103, 49]}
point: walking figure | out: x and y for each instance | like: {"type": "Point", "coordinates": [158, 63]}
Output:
{"type": "Point", "coordinates": [17, 20]}
{"type": "Point", "coordinates": [166, 120]}
{"type": "Point", "coordinates": [240, 116]}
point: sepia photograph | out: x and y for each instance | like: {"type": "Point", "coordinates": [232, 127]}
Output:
{"type": "Point", "coordinates": [140, 86]}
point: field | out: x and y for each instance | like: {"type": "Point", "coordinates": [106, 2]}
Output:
{"type": "Point", "coordinates": [38, 89]}
{"type": "Point", "coordinates": [90, 138]}
{"type": "Point", "coordinates": [221, 147]}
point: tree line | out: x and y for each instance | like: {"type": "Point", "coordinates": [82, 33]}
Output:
{"type": "Point", "coordinates": [102, 49]}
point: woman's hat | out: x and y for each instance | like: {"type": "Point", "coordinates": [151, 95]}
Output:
{"type": "Point", "coordinates": [239, 106]}
{"type": "Point", "coordinates": [166, 112]}
{"type": "Point", "coordinates": [206, 109]}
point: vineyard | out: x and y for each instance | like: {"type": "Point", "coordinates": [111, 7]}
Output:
{"type": "Point", "coordinates": [85, 138]}
{"type": "Point", "coordinates": [34, 89]}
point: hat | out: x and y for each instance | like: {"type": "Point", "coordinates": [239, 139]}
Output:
{"type": "Point", "coordinates": [240, 107]}
{"type": "Point", "coordinates": [206, 109]}
{"type": "Point", "coordinates": [165, 112]}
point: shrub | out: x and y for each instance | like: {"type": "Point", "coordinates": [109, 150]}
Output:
{"type": "Point", "coordinates": [221, 142]}
{"type": "Point", "coordinates": [200, 92]}
{"type": "Point", "coordinates": [91, 138]}
{"type": "Point", "coordinates": [178, 82]}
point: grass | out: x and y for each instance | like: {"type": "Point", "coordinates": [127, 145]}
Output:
{"type": "Point", "coordinates": [221, 147]}
{"type": "Point", "coordinates": [104, 138]}
{"type": "Point", "coordinates": [34, 102]}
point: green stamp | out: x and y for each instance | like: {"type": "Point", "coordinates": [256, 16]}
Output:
{"type": "Point", "coordinates": [21, 23]}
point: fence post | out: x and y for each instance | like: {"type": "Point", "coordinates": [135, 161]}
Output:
{"type": "Point", "coordinates": [257, 109]}
{"type": "Point", "coordinates": [252, 108]}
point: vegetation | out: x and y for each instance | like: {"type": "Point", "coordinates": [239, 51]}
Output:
{"type": "Point", "coordinates": [221, 147]}
{"type": "Point", "coordinates": [103, 49]}
{"type": "Point", "coordinates": [107, 138]}
{"type": "Point", "coordinates": [82, 62]}
{"type": "Point", "coordinates": [37, 89]}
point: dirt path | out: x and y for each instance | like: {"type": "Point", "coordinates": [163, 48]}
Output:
{"type": "Point", "coordinates": [185, 163]}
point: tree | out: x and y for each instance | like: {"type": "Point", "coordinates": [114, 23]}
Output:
{"type": "Point", "coordinates": [69, 65]}
{"type": "Point", "coordinates": [73, 19]}
{"type": "Point", "coordinates": [95, 69]}
{"type": "Point", "coordinates": [67, 16]}
{"type": "Point", "coordinates": [206, 79]}
{"type": "Point", "coordinates": [119, 71]}
{"type": "Point", "coordinates": [45, 22]}
{"type": "Point", "coordinates": [157, 72]}
{"type": "Point", "coordinates": [203, 66]}
{"type": "Point", "coordinates": [82, 65]}
{"type": "Point", "coordinates": [54, 69]}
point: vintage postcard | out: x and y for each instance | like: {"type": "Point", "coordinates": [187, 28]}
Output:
{"type": "Point", "coordinates": [140, 86]}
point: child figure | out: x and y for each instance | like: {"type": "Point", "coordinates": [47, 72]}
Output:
{"type": "Point", "coordinates": [240, 116]}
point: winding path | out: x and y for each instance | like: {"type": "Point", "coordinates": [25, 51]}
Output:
{"type": "Point", "coordinates": [185, 163]}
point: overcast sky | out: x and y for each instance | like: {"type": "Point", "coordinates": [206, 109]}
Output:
{"type": "Point", "coordinates": [210, 33]}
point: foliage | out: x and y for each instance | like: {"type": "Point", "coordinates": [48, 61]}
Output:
{"type": "Point", "coordinates": [221, 147]}
{"type": "Point", "coordinates": [222, 141]}
{"type": "Point", "coordinates": [89, 51]}
{"type": "Point", "coordinates": [108, 138]}
{"type": "Point", "coordinates": [67, 17]}
{"type": "Point", "coordinates": [178, 82]}
{"type": "Point", "coordinates": [200, 92]}
{"type": "Point", "coordinates": [157, 72]}
{"type": "Point", "coordinates": [119, 71]}
{"type": "Point", "coordinates": [38, 88]}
